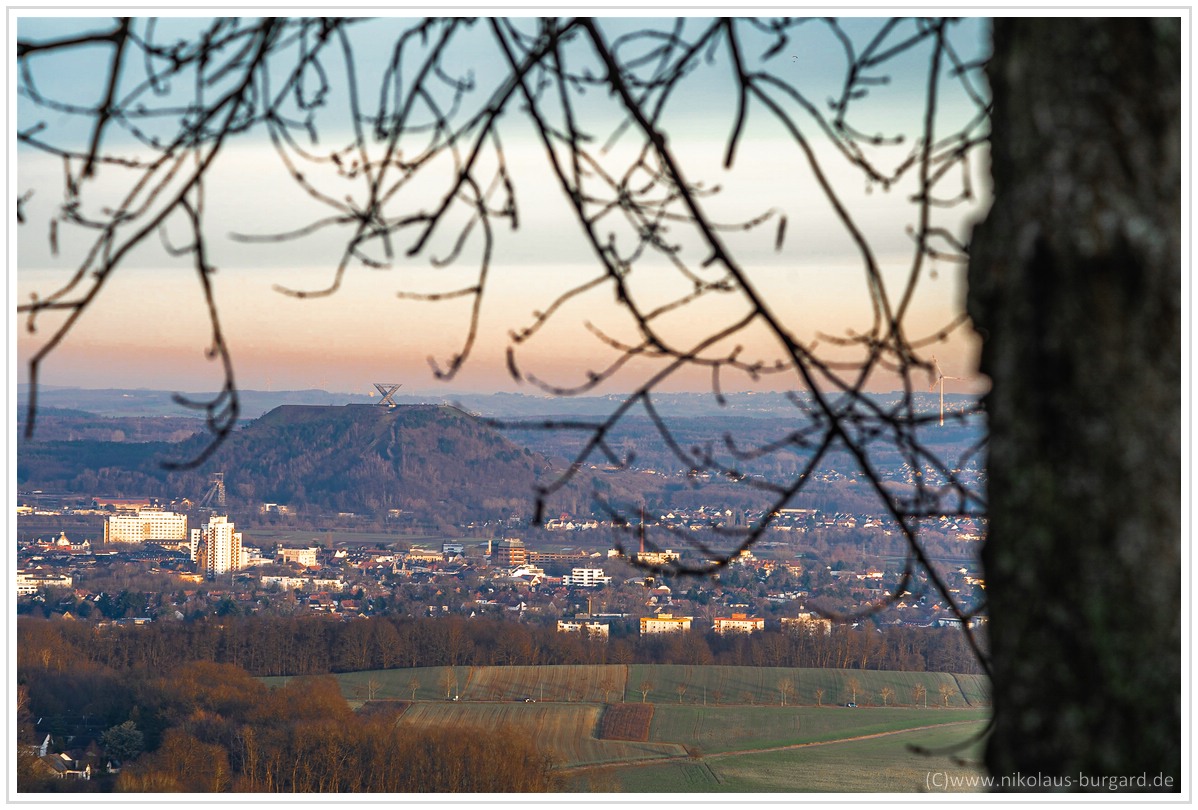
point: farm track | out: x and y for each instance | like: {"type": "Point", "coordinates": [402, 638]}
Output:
{"type": "Point", "coordinates": [702, 758]}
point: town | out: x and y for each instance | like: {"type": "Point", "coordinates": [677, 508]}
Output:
{"type": "Point", "coordinates": [148, 563]}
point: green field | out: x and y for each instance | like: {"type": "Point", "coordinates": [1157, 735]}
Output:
{"type": "Point", "coordinates": [672, 685]}
{"type": "Point", "coordinates": [763, 686]}
{"type": "Point", "coordinates": [875, 765]}
{"type": "Point", "coordinates": [726, 731]}
{"type": "Point", "coordinates": [716, 730]}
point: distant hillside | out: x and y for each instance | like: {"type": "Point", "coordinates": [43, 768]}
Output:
{"type": "Point", "coordinates": [359, 458]}
{"type": "Point", "coordinates": [67, 424]}
{"type": "Point", "coordinates": [146, 402]}
{"type": "Point", "coordinates": [431, 461]}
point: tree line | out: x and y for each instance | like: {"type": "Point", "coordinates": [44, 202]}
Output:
{"type": "Point", "coordinates": [204, 727]}
{"type": "Point", "coordinates": [311, 645]}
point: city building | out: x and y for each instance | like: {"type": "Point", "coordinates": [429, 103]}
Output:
{"type": "Point", "coordinates": [738, 623]}
{"type": "Point", "coordinates": [284, 583]}
{"type": "Point", "coordinates": [587, 628]}
{"type": "Point", "coordinates": [657, 557]}
{"type": "Point", "coordinates": [509, 553]}
{"type": "Point", "coordinates": [30, 582]}
{"type": "Point", "coordinates": [418, 554]}
{"type": "Point", "coordinates": [305, 557]}
{"type": "Point", "coordinates": [807, 623]}
{"type": "Point", "coordinates": [121, 504]}
{"type": "Point", "coordinates": [63, 543]}
{"type": "Point", "coordinates": [665, 623]}
{"type": "Point", "coordinates": [148, 525]}
{"type": "Point", "coordinates": [586, 578]}
{"type": "Point", "coordinates": [216, 548]}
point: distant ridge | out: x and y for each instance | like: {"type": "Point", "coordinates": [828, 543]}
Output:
{"type": "Point", "coordinates": [143, 402]}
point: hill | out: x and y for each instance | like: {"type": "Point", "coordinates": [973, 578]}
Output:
{"type": "Point", "coordinates": [432, 462]}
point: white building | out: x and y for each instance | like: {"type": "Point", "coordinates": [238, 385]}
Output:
{"type": "Point", "coordinates": [599, 629]}
{"type": "Point", "coordinates": [665, 623]}
{"type": "Point", "coordinates": [586, 578]}
{"type": "Point", "coordinates": [738, 623]}
{"type": "Point", "coordinates": [216, 548]}
{"type": "Point", "coordinates": [148, 525]}
{"type": "Point", "coordinates": [658, 557]}
{"type": "Point", "coordinates": [285, 583]}
{"type": "Point", "coordinates": [305, 557]}
{"type": "Point", "coordinates": [30, 582]}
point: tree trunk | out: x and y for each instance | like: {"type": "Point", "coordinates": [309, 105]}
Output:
{"type": "Point", "coordinates": [1075, 287]}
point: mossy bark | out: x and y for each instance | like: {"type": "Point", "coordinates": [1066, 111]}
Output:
{"type": "Point", "coordinates": [1075, 286]}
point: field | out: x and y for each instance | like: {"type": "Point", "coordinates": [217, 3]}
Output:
{"type": "Point", "coordinates": [567, 731]}
{"type": "Point", "coordinates": [764, 686]}
{"type": "Point", "coordinates": [874, 765]}
{"type": "Point", "coordinates": [665, 684]}
{"type": "Point", "coordinates": [714, 728]}
{"type": "Point", "coordinates": [717, 730]}
{"type": "Point", "coordinates": [626, 721]}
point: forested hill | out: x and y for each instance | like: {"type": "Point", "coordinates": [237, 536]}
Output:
{"type": "Point", "coordinates": [423, 459]}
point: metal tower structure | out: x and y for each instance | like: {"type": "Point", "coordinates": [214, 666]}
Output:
{"type": "Point", "coordinates": [216, 492]}
{"type": "Point", "coordinates": [387, 390]}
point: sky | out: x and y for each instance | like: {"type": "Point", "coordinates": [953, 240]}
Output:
{"type": "Point", "coordinates": [148, 326]}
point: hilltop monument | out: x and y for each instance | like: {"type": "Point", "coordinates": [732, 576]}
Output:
{"type": "Point", "coordinates": [387, 390]}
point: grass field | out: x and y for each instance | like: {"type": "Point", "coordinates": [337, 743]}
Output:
{"type": "Point", "coordinates": [763, 686]}
{"type": "Point", "coordinates": [713, 728]}
{"type": "Point", "coordinates": [878, 765]}
{"type": "Point", "coordinates": [670, 685]}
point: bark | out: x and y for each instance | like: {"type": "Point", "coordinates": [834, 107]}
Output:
{"type": "Point", "coordinates": [1075, 286]}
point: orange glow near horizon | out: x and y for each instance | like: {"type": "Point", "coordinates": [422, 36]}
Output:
{"type": "Point", "coordinates": [149, 328]}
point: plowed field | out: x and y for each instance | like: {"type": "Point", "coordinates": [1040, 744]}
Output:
{"type": "Point", "coordinates": [626, 721]}
{"type": "Point", "coordinates": [566, 731]}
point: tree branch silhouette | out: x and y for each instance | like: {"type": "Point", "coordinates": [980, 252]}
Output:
{"type": "Point", "coordinates": [423, 172]}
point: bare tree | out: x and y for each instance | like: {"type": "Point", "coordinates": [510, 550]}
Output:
{"type": "Point", "coordinates": [645, 688]}
{"type": "Point", "coordinates": [786, 687]}
{"type": "Point", "coordinates": [819, 696]}
{"type": "Point", "coordinates": [609, 684]}
{"type": "Point", "coordinates": [887, 694]}
{"type": "Point", "coordinates": [1050, 282]}
{"type": "Point", "coordinates": [854, 686]}
{"type": "Point", "coordinates": [413, 685]}
{"type": "Point", "coordinates": [920, 693]}
{"type": "Point", "coordinates": [449, 680]}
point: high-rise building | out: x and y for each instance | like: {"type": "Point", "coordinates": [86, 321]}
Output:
{"type": "Point", "coordinates": [148, 525]}
{"type": "Point", "coordinates": [216, 548]}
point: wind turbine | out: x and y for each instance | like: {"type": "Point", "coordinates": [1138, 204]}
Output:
{"type": "Point", "coordinates": [940, 378]}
